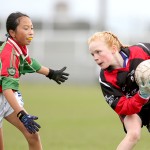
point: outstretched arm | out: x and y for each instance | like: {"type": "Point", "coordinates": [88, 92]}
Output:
{"type": "Point", "coordinates": [57, 75]}
{"type": "Point", "coordinates": [43, 70]}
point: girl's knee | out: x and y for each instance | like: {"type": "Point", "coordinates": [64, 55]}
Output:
{"type": "Point", "coordinates": [134, 136]}
{"type": "Point", "coordinates": [33, 138]}
{"type": "Point", "coordinates": [34, 141]}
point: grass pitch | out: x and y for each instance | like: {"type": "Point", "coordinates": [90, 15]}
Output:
{"type": "Point", "coordinates": [72, 118]}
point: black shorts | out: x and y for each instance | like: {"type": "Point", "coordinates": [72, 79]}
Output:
{"type": "Point", "coordinates": [144, 114]}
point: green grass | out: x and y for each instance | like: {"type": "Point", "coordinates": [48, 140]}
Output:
{"type": "Point", "coordinates": [72, 118]}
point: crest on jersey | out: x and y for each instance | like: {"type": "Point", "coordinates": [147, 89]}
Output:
{"type": "Point", "coordinates": [11, 71]}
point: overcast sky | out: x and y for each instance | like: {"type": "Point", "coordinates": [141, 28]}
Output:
{"type": "Point", "coordinates": [90, 9]}
{"type": "Point", "coordinates": [125, 15]}
{"type": "Point", "coordinates": [44, 8]}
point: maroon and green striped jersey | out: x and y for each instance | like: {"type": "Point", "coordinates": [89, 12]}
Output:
{"type": "Point", "coordinates": [14, 61]}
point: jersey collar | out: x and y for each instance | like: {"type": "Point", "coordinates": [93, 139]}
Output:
{"type": "Point", "coordinates": [20, 50]}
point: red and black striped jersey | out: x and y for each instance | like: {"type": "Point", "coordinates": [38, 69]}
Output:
{"type": "Point", "coordinates": [118, 85]}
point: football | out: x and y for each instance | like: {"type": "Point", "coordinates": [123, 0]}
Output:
{"type": "Point", "coordinates": [142, 72]}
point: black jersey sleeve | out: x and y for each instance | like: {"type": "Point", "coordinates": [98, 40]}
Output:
{"type": "Point", "coordinates": [119, 102]}
{"type": "Point", "coordinates": [145, 47]}
{"type": "Point", "coordinates": [111, 93]}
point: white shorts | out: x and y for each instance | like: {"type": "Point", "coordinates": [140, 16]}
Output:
{"type": "Point", "coordinates": [5, 108]}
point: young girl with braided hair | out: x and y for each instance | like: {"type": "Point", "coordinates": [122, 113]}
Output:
{"type": "Point", "coordinates": [117, 67]}
{"type": "Point", "coordinates": [15, 61]}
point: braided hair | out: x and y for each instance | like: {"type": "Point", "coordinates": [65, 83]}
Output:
{"type": "Point", "coordinates": [108, 37]}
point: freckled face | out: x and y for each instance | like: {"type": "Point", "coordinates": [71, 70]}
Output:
{"type": "Point", "coordinates": [101, 53]}
{"type": "Point", "coordinates": [24, 31]}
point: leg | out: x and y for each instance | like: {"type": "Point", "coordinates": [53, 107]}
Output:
{"type": "Point", "coordinates": [1, 140]}
{"type": "Point", "coordinates": [133, 126]}
{"type": "Point", "coordinates": [33, 140]}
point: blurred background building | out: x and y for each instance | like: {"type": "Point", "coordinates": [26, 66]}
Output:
{"type": "Point", "coordinates": [62, 28]}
